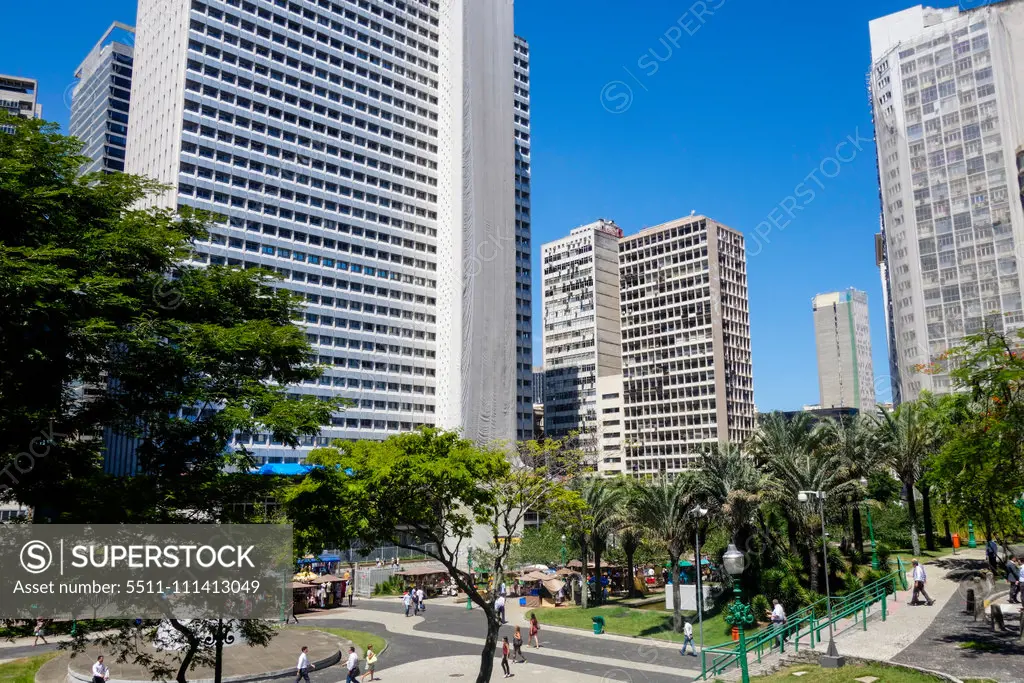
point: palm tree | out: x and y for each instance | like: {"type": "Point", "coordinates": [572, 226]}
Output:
{"type": "Point", "coordinates": [903, 439]}
{"type": "Point", "coordinates": [852, 439]}
{"type": "Point", "coordinates": [630, 538]}
{"type": "Point", "coordinates": [663, 506]}
{"type": "Point", "coordinates": [591, 525]}
{"type": "Point", "coordinates": [808, 470]}
{"type": "Point", "coordinates": [732, 485]}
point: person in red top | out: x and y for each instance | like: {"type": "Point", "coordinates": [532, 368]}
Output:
{"type": "Point", "coordinates": [504, 657]}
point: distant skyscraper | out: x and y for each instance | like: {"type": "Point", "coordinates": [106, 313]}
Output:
{"type": "Point", "coordinates": [538, 385]}
{"type": "Point", "coordinates": [842, 335]}
{"type": "Point", "coordinates": [18, 97]}
{"type": "Point", "coordinates": [945, 87]}
{"type": "Point", "coordinates": [686, 363]}
{"type": "Point", "coordinates": [99, 103]}
{"type": "Point", "coordinates": [581, 327]}
{"type": "Point", "coordinates": [369, 153]}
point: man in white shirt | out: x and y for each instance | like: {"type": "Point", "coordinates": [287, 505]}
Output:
{"type": "Point", "coordinates": [407, 601]}
{"type": "Point", "coordinates": [353, 666]}
{"type": "Point", "coordinates": [499, 607]}
{"type": "Point", "coordinates": [688, 634]}
{"type": "Point", "coordinates": [100, 673]}
{"type": "Point", "coordinates": [920, 578]}
{"type": "Point", "coordinates": [419, 599]}
{"type": "Point", "coordinates": [778, 618]}
{"type": "Point", "coordinates": [303, 665]}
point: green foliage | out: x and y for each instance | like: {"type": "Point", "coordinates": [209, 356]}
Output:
{"type": "Point", "coordinates": [179, 363]}
{"type": "Point", "coordinates": [884, 555]}
{"type": "Point", "coordinates": [542, 545]}
{"type": "Point", "coordinates": [760, 606]}
{"type": "Point", "coordinates": [892, 525]}
{"type": "Point", "coordinates": [883, 487]}
{"type": "Point", "coordinates": [393, 586]}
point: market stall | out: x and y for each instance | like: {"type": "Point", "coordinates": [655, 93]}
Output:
{"type": "Point", "coordinates": [432, 579]}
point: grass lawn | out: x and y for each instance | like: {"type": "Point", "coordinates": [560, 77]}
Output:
{"type": "Point", "coordinates": [359, 638]}
{"type": "Point", "coordinates": [646, 623]}
{"type": "Point", "coordinates": [907, 554]}
{"type": "Point", "coordinates": [849, 673]}
{"type": "Point", "coordinates": [24, 670]}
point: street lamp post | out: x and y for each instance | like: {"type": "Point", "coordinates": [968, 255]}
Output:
{"type": "Point", "coordinates": [472, 585]}
{"type": "Point", "coordinates": [739, 614]}
{"type": "Point", "coordinates": [831, 659]}
{"type": "Point", "coordinates": [563, 550]}
{"type": "Point", "coordinates": [871, 530]}
{"type": "Point", "coordinates": [699, 512]}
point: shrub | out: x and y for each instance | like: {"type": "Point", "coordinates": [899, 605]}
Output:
{"type": "Point", "coordinates": [393, 586]}
{"type": "Point", "coordinates": [884, 554]}
{"type": "Point", "coordinates": [760, 606]}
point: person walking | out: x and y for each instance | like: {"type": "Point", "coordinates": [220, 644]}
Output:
{"type": "Point", "coordinates": [504, 657]}
{"type": "Point", "coordinates": [777, 616]}
{"type": "Point", "coordinates": [419, 599]}
{"type": "Point", "coordinates": [517, 647]}
{"type": "Point", "coordinates": [39, 632]}
{"type": "Point", "coordinates": [303, 666]}
{"type": "Point", "coordinates": [407, 601]}
{"type": "Point", "coordinates": [1013, 577]}
{"type": "Point", "coordinates": [688, 639]}
{"type": "Point", "coordinates": [499, 607]}
{"type": "Point", "coordinates": [920, 578]}
{"type": "Point", "coordinates": [100, 673]}
{"type": "Point", "coordinates": [371, 663]}
{"type": "Point", "coordinates": [353, 666]}
{"type": "Point", "coordinates": [992, 554]}
{"type": "Point", "coordinates": [534, 630]}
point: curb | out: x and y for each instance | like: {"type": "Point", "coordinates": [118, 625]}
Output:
{"type": "Point", "coordinates": [809, 658]}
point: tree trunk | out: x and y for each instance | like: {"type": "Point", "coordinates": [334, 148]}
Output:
{"type": "Point", "coordinates": [915, 542]}
{"type": "Point", "coordinates": [218, 664]}
{"type": "Point", "coordinates": [677, 603]}
{"type": "Point", "coordinates": [490, 644]}
{"type": "Point", "coordinates": [791, 533]}
{"type": "Point", "coordinates": [926, 511]}
{"type": "Point", "coordinates": [597, 576]}
{"type": "Point", "coordinates": [858, 532]}
{"type": "Point", "coordinates": [585, 591]}
{"type": "Point", "coordinates": [631, 579]}
{"type": "Point", "coordinates": [190, 653]}
{"type": "Point", "coordinates": [813, 567]}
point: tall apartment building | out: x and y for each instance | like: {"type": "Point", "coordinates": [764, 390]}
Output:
{"type": "Point", "coordinates": [842, 335]}
{"type": "Point", "coordinates": [581, 327]}
{"type": "Point", "coordinates": [367, 151]}
{"type": "Point", "coordinates": [686, 363]}
{"type": "Point", "coordinates": [100, 99]}
{"type": "Point", "coordinates": [524, 302]}
{"type": "Point", "coordinates": [18, 97]}
{"type": "Point", "coordinates": [945, 87]}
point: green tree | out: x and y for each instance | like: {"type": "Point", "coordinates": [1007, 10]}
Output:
{"type": "Point", "coordinates": [852, 439]}
{"type": "Point", "coordinates": [109, 330]}
{"type": "Point", "coordinates": [602, 498]}
{"type": "Point", "coordinates": [664, 506]}
{"type": "Point", "coordinates": [903, 439]}
{"type": "Point", "coordinates": [430, 484]}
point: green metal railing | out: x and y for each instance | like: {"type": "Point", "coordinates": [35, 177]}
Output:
{"type": "Point", "coordinates": [809, 623]}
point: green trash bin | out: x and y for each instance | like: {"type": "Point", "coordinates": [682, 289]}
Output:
{"type": "Point", "coordinates": [598, 625]}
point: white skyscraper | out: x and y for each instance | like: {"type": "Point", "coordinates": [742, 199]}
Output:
{"type": "Point", "coordinates": [582, 342]}
{"type": "Point", "coordinates": [686, 361]}
{"type": "Point", "coordinates": [842, 335]}
{"type": "Point", "coordinates": [100, 100]}
{"type": "Point", "coordinates": [945, 86]}
{"type": "Point", "coordinates": [375, 153]}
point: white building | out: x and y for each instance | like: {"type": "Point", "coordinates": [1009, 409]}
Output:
{"type": "Point", "coordinates": [100, 100]}
{"type": "Point", "coordinates": [581, 327]}
{"type": "Point", "coordinates": [842, 335]}
{"type": "Point", "coordinates": [945, 86]}
{"type": "Point", "coordinates": [18, 97]}
{"type": "Point", "coordinates": [375, 153]}
{"type": "Point", "coordinates": [686, 363]}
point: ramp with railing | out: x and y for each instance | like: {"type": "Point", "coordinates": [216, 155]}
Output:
{"type": "Point", "coordinates": [809, 623]}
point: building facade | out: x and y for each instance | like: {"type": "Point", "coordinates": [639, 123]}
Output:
{"type": "Point", "coordinates": [686, 362]}
{"type": "Point", "coordinates": [581, 327]}
{"type": "Point", "coordinates": [842, 335]}
{"type": "Point", "coordinates": [100, 100]}
{"type": "Point", "coordinates": [945, 87]}
{"type": "Point", "coordinates": [18, 97]}
{"type": "Point", "coordinates": [366, 151]}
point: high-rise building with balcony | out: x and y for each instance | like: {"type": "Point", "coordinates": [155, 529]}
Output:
{"type": "Point", "coordinates": [18, 97]}
{"type": "Point", "coordinates": [842, 335]}
{"type": "Point", "coordinates": [945, 88]}
{"type": "Point", "coordinates": [100, 100]}
{"type": "Point", "coordinates": [581, 328]}
{"type": "Point", "coordinates": [368, 151]}
{"type": "Point", "coordinates": [686, 362]}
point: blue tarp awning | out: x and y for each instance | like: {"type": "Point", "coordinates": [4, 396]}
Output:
{"type": "Point", "coordinates": [321, 558]}
{"type": "Point", "coordinates": [284, 468]}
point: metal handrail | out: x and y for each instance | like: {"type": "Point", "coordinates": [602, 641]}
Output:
{"type": "Point", "coordinates": [805, 622]}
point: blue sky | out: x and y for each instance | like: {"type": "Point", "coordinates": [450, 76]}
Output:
{"type": "Point", "coordinates": [645, 115]}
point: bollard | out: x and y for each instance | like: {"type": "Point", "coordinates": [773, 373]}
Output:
{"type": "Point", "coordinates": [970, 601]}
